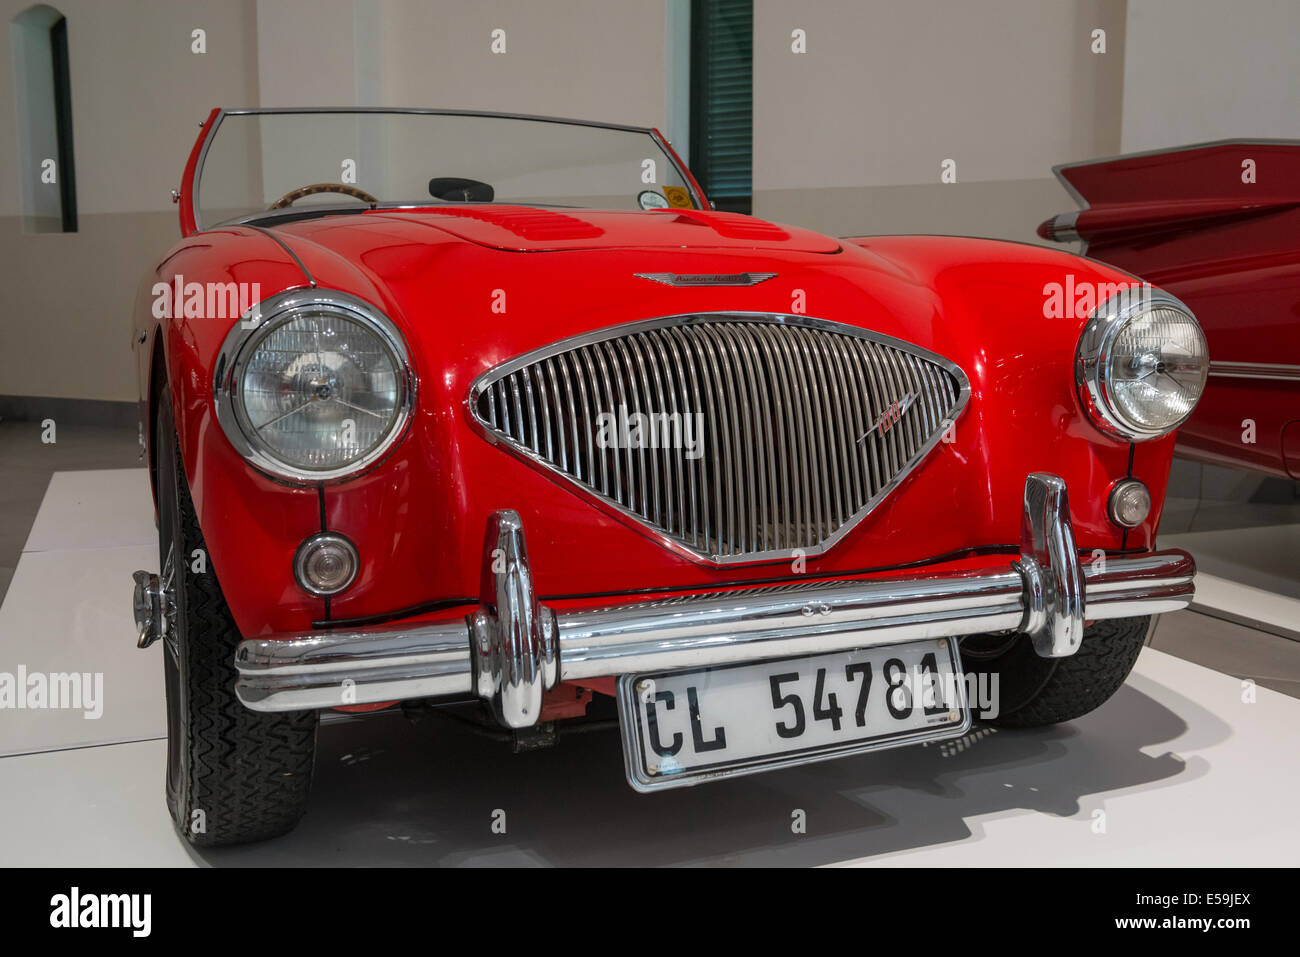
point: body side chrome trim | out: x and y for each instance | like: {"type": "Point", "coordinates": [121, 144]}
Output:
{"type": "Point", "coordinates": [311, 280]}
{"type": "Point", "coordinates": [1255, 370]}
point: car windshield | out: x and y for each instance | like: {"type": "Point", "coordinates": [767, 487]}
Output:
{"type": "Point", "coordinates": [255, 160]}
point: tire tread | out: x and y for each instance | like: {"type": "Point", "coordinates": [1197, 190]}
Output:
{"type": "Point", "coordinates": [248, 772]}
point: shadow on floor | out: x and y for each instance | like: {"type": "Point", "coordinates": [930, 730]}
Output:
{"type": "Point", "coordinates": [391, 793]}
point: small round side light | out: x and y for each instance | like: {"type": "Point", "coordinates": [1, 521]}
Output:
{"type": "Point", "coordinates": [1130, 503]}
{"type": "Point", "coordinates": [325, 564]}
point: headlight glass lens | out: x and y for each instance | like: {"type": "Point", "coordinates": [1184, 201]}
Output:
{"type": "Point", "coordinates": [320, 390]}
{"type": "Point", "coordinates": [1156, 368]}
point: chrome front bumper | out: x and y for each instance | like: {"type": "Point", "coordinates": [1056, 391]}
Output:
{"type": "Point", "coordinates": [512, 649]}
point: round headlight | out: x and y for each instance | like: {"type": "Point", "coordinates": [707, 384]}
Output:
{"type": "Point", "coordinates": [319, 388]}
{"type": "Point", "coordinates": [1141, 365]}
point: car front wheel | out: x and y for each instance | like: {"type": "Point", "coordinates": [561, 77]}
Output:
{"type": "Point", "coordinates": [1033, 691]}
{"type": "Point", "coordinates": [233, 775]}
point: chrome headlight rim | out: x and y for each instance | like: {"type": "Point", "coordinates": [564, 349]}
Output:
{"type": "Point", "coordinates": [242, 341]}
{"type": "Point", "coordinates": [1092, 361]}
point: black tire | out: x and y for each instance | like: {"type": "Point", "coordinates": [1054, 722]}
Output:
{"type": "Point", "coordinates": [1035, 691]}
{"type": "Point", "coordinates": [233, 775]}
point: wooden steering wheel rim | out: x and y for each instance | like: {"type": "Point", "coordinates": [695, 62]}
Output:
{"type": "Point", "coordinates": [291, 197]}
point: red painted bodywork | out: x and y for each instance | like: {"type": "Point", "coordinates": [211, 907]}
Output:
{"type": "Point", "coordinates": [1188, 221]}
{"type": "Point", "coordinates": [418, 519]}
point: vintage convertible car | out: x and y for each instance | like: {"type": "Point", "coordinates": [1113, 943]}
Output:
{"type": "Point", "coordinates": [1218, 225]}
{"type": "Point", "coordinates": [493, 416]}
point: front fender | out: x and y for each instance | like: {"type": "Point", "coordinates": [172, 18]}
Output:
{"type": "Point", "coordinates": [251, 525]}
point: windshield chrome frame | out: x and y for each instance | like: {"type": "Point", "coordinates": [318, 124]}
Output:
{"type": "Point", "coordinates": [669, 154]}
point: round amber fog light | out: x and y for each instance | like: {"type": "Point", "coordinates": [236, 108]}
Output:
{"type": "Point", "coordinates": [1130, 503]}
{"type": "Point", "coordinates": [325, 564]}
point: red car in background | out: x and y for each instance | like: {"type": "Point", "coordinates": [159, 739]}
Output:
{"type": "Point", "coordinates": [495, 413]}
{"type": "Point", "coordinates": [1218, 225]}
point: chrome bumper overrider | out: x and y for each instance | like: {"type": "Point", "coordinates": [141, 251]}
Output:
{"type": "Point", "coordinates": [512, 648]}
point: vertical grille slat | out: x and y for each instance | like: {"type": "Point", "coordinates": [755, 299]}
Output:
{"type": "Point", "coordinates": [582, 436]}
{"type": "Point", "coordinates": [655, 401]}
{"type": "Point", "coordinates": [601, 398]}
{"type": "Point", "coordinates": [803, 447]}
{"type": "Point", "coordinates": [877, 453]}
{"type": "Point", "coordinates": [725, 425]}
{"type": "Point", "coordinates": [882, 379]}
{"type": "Point", "coordinates": [679, 476]}
{"type": "Point", "coordinates": [616, 352]}
{"type": "Point", "coordinates": [765, 454]}
{"type": "Point", "coordinates": [708, 518]}
{"type": "Point", "coordinates": [823, 478]}
{"type": "Point", "coordinates": [521, 434]}
{"type": "Point", "coordinates": [911, 423]}
{"type": "Point", "coordinates": [793, 479]}
{"type": "Point", "coordinates": [849, 461]}
{"type": "Point", "coordinates": [531, 373]}
{"type": "Point", "coordinates": [549, 368]}
{"type": "Point", "coordinates": [801, 426]}
{"type": "Point", "coordinates": [863, 487]}
{"type": "Point", "coordinates": [678, 392]}
{"type": "Point", "coordinates": [649, 363]}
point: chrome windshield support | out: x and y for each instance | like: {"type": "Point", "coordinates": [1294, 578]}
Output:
{"type": "Point", "coordinates": [512, 648]}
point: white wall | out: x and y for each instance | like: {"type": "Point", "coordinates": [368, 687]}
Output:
{"type": "Point", "coordinates": [849, 137]}
{"type": "Point", "coordinates": [586, 59]}
{"type": "Point", "coordinates": [1201, 70]}
{"type": "Point", "coordinates": [139, 93]}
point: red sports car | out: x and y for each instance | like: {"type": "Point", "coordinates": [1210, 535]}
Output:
{"type": "Point", "coordinates": [494, 415]}
{"type": "Point", "coordinates": [1218, 225]}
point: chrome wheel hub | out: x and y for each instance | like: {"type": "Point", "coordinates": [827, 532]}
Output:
{"type": "Point", "coordinates": [154, 602]}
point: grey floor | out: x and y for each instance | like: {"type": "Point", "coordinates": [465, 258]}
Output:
{"type": "Point", "coordinates": [1268, 660]}
{"type": "Point", "coordinates": [26, 464]}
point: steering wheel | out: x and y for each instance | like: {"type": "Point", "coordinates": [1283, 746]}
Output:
{"type": "Point", "coordinates": [291, 197]}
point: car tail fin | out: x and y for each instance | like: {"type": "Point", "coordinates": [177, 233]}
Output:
{"type": "Point", "coordinates": [1175, 188]}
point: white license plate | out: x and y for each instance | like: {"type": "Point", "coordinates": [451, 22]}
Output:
{"type": "Point", "coordinates": [684, 727]}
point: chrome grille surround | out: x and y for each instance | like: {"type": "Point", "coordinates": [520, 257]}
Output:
{"type": "Point", "coordinates": [797, 459]}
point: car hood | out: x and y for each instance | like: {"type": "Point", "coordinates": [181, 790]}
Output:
{"type": "Point", "coordinates": [474, 286]}
{"type": "Point", "coordinates": [487, 283]}
{"type": "Point", "coordinates": [538, 229]}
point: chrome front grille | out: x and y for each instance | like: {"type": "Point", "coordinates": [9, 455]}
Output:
{"type": "Point", "coordinates": [804, 425]}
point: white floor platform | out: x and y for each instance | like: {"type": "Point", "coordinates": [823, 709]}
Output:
{"type": "Point", "coordinates": [1176, 769]}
